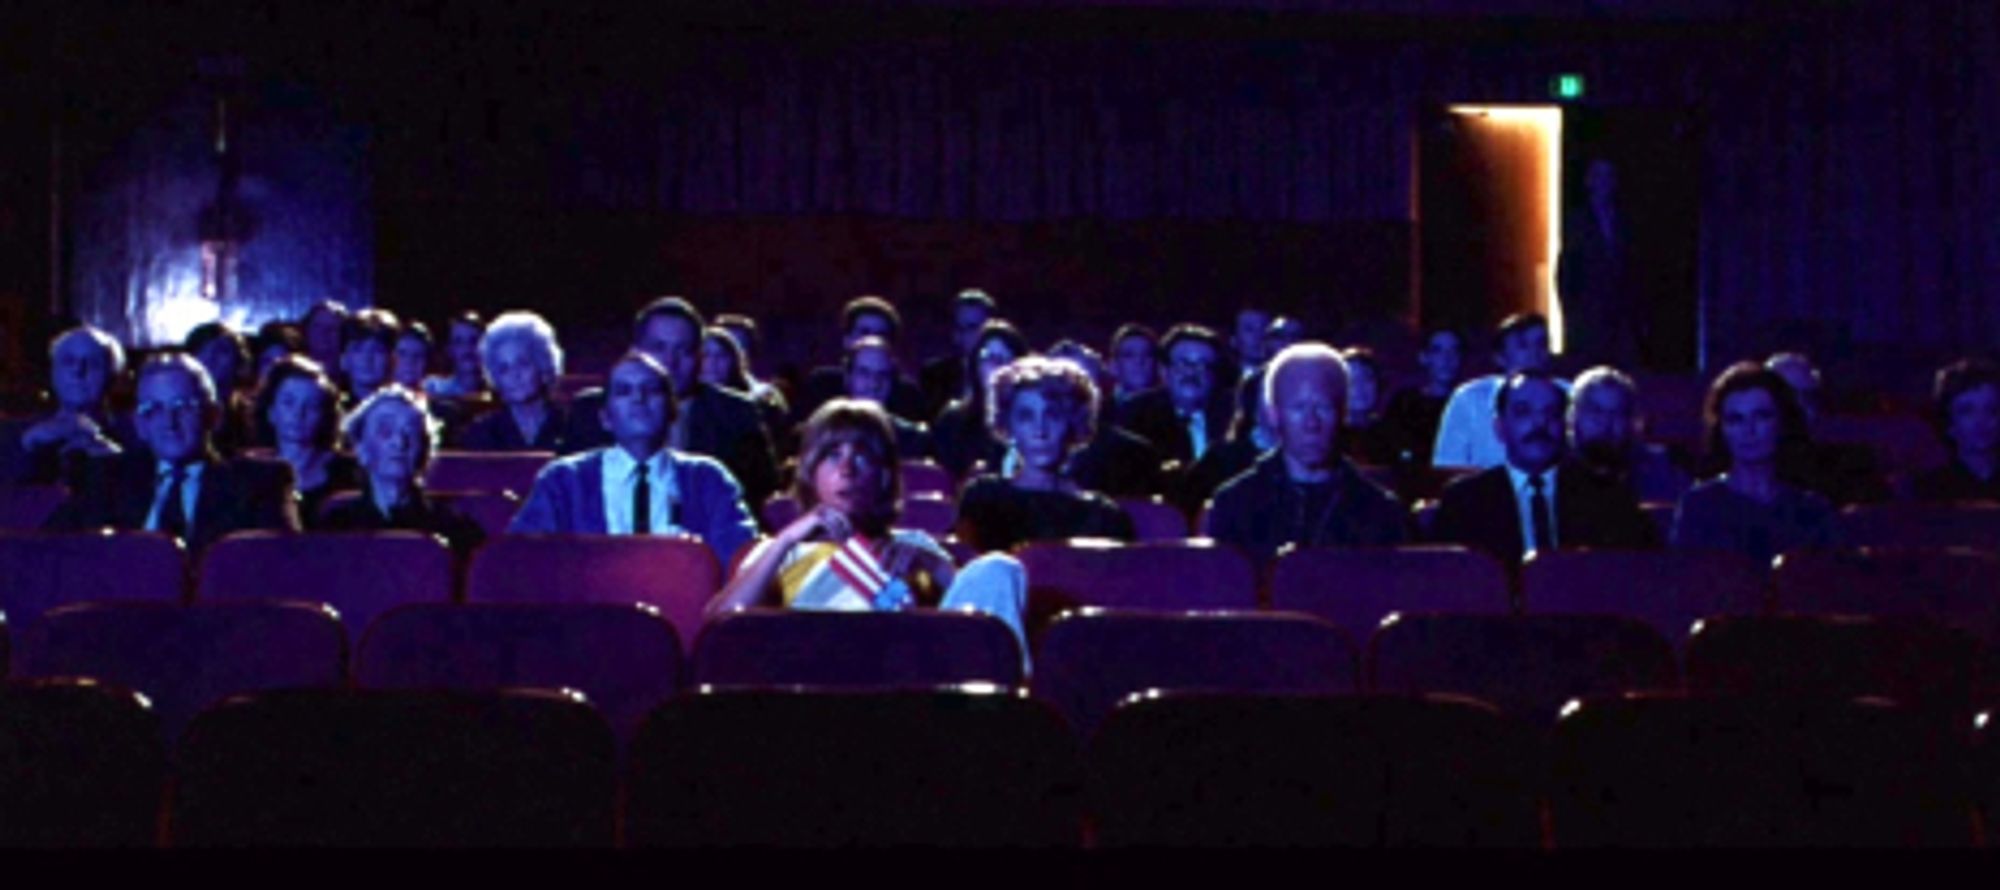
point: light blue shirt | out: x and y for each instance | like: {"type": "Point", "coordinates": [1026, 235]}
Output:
{"type": "Point", "coordinates": [190, 494]}
{"type": "Point", "coordinates": [621, 476]}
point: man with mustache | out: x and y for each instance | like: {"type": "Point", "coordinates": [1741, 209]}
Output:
{"type": "Point", "coordinates": [1537, 500]}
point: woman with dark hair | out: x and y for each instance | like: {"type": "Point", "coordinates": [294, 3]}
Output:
{"type": "Point", "coordinates": [724, 364]}
{"type": "Point", "coordinates": [1756, 432]}
{"type": "Point", "coordinates": [843, 553]}
{"type": "Point", "coordinates": [960, 436]}
{"type": "Point", "coordinates": [412, 356]}
{"type": "Point", "coordinates": [1043, 411]}
{"type": "Point", "coordinates": [394, 436]}
{"type": "Point", "coordinates": [297, 414]}
{"type": "Point", "coordinates": [1365, 437]}
{"type": "Point", "coordinates": [275, 340]}
{"type": "Point", "coordinates": [1966, 411]}
{"type": "Point", "coordinates": [467, 379]}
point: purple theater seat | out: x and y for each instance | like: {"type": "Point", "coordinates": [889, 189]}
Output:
{"type": "Point", "coordinates": [1529, 666]}
{"type": "Point", "coordinates": [1087, 662]}
{"type": "Point", "coordinates": [375, 768]}
{"type": "Point", "coordinates": [1687, 771]}
{"type": "Point", "coordinates": [1154, 519]}
{"type": "Point", "coordinates": [964, 767]}
{"type": "Point", "coordinates": [26, 507]}
{"type": "Point", "coordinates": [185, 658]}
{"type": "Point", "coordinates": [1922, 525]}
{"type": "Point", "coordinates": [1357, 588]}
{"type": "Point", "coordinates": [1234, 770]}
{"type": "Point", "coordinates": [772, 647]}
{"type": "Point", "coordinates": [624, 658]}
{"type": "Point", "coordinates": [1901, 441]}
{"type": "Point", "coordinates": [931, 513]}
{"type": "Point", "coordinates": [1668, 589]}
{"type": "Point", "coordinates": [924, 477]}
{"type": "Point", "coordinates": [360, 574]}
{"type": "Point", "coordinates": [493, 510]}
{"type": "Point", "coordinates": [676, 575]}
{"type": "Point", "coordinates": [1914, 661]}
{"type": "Point", "coordinates": [40, 571]}
{"type": "Point", "coordinates": [485, 471]}
{"type": "Point", "coordinates": [1959, 588]}
{"type": "Point", "coordinates": [1168, 576]}
{"type": "Point", "coordinates": [81, 765]}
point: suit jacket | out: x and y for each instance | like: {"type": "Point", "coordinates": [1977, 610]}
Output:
{"type": "Point", "coordinates": [721, 424]}
{"type": "Point", "coordinates": [828, 382]}
{"type": "Point", "coordinates": [235, 495]}
{"type": "Point", "coordinates": [1152, 417]}
{"type": "Point", "coordinates": [568, 498]}
{"type": "Point", "coordinates": [942, 379]}
{"type": "Point", "coordinates": [1480, 511]}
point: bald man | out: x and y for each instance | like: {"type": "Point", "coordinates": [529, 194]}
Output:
{"type": "Point", "coordinates": [1304, 492]}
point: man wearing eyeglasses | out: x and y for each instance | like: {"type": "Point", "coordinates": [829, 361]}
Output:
{"type": "Point", "coordinates": [176, 484]}
{"type": "Point", "coordinates": [1191, 414]}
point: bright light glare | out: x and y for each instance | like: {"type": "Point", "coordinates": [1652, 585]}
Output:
{"type": "Point", "coordinates": [1547, 119]}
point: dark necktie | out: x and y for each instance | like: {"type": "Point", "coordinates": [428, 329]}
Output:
{"type": "Point", "coordinates": [173, 509]}
{"type": "Point", "coordinates": [1538, 508]}
{"type": "Point", "coordinates": [642, 505]}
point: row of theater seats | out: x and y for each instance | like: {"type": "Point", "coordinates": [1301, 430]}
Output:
{"type": "Point", "coordinates": [81, 764]}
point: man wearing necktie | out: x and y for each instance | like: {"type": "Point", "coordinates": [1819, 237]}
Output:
{"type": "Point", "coordinates": [1537, 501]}
{"type": "Point", "coordinates": [176, 484]}
{"type": "Point", "coordinates": [639, 485]}
{"type": "Point", "coordinates": [1191, 414]}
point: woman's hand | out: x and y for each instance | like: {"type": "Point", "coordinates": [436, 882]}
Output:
{"type": "Point", "coordinates": [821, 520]}
{"type": "Point", "coordinates": [899, 558]}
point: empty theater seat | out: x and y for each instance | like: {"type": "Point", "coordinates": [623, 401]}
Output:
{"type": "Point", "coordinates": [1666, 589]}
{"type": "Point", "coordinates": [924, 477]}
{"type": "Point", "coordinates": [1910, 660]}
{"type": "Point", "coordinates": [770, 647]}
{"type": "Point", "coordinates": [1960, 588]}
{"type": "Point", "coordinates": [839, 769]}
{"type": "Point", "coordinates": [26, 507]}
{"type": "Point", "coordinates": [185, 658]}
{"type": "Point", "coordinates": [1205, 769]}
{"type": "Point", "coordinates": [39, 571]}
{"type": "Point", "coordinates": [1674, 771]}
{"type": "Point", "coordinates": [374, 768]}
{"type": "Point", "coordinates": [81, 765]}
{"type": "Point", "coordinates": [361, 574]}
{"type": "Point", "coordinates": [485, 471]}
{"type": "Point", "coordinates": [1922, 525]}
{"type": "Point", "coordinates": [676, 575]}
{"type": "Point", "coordinates": [1160, 575]}
{"type": "Point", "coordinates": [1529, 666]}
{"type": "Point", "coordinates": [1087, 662]}
{"type": "Point", "coordinates": [1154, 519]}
{"type": "Point", "coordinates": [1357, 588]}
{"type": "Point", "coordinates": [931, 513]}
{"type": "Point", "coordinates": [624, 658]}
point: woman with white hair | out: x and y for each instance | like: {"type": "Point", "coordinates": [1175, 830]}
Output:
{"type": "Point", "coordinates": [393, 438]}
{"type": "Point", "coordinates": [522, 361]}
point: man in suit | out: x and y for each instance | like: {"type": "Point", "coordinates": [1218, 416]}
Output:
{"type": "Point", "coordinates": [1191, 414]}
{"type": "Point", "coordinates": [177, 484]}
{"type": "Point", "coordinates": [42, 450]}
{"type": "Point", "coordinates": [707, 419]}
{"type": "Point", "coordinates": [943, 378]}
{"type": "Point", "coordinates": [639, 484]}
{"type": "Point", "coordinates": [870, 369]}
{"type": "Point", "coordinates": [1536, 500]}
{"type": "Point", "coordinates": [865, 316]}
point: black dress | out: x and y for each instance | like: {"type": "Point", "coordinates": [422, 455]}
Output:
{"type": "Point", "coordinates": [415, 512]}
{"type": "Point", "coordinates": [995, 515]}
{"type": "Point", "coordinates": [343, 473]}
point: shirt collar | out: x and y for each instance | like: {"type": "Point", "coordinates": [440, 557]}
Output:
{"type": "Point", "coordinates": [619, 465]}
{"type": "Point", "coordinates": [165, 469]}
{"type": "Point", "coordinates": [1520, 480]}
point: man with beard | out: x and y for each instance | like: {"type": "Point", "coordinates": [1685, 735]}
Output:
{"type": "Point", "coordinates": [1604, 435]}
{"type": "Point", "coordinates": [1535, 500]}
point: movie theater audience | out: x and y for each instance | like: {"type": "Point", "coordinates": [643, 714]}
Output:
{"type": "Point", "coordinates": [1044, 411]}
{"type": "Point", "coordinates": [870, 369]}
{"type": "Point", "coordinates": [864, 316]}
{"type": "Point", "coordinates": [1467, 436]}
{"type": "Point", "coordinates": [522, 361]}
{"type": "Point", "coordinates": [1193, 412]}
{"type": "Point", "coordinates": [1757, 429]}
{"type": "Point", "coordinates": [943, 378]}
{"type": "Point", "coordinates": [960, 437]}
{"type": "Point", "coordinates": [45, 448]}
{"type": "Point", "coordinates": [1604, 435]}
{"type": "Point", "coordinates": [1415, 412]}
{"type": "Point", "coordinates": [393, 438]}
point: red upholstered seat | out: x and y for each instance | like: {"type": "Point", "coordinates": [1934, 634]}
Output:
{"type": "Point", "coordinates": [1154, 519]}
{"type": "Point", "coordinates": [884, 650]}
{"type": "Point", "coordinates": [39, 571]}
{"type": "Point", "coordinates": [1529, 666]}
{"type": "Point", "coordinates": [929, 513]}
{"type": "Point", "coordinates": [924, 477]}
{"type": "Point", "coordinates": [1922, 525]}
{"type": "Point", "coordinates": [361, 575]}
{"type": "Point", "coordinates": [1667, 589]}
{"type": "Point", "coordinates": [1960, 588]}
{"type": "Point", "coordinates": [485, 471]}
{"type": "Point", "coordinates": [1357, 588]}
{"type": "Point", "coordinates": [677, 575]}
{"type": "Point", "coordinates": [1914, 661]}
{"type": "Point", "coordinates": [1168, 576]}
{"type": "Point", "coordinates": [26, 507]}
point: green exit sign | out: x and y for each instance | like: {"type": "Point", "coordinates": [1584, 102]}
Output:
{"type": "Point", "coordinates": [1566, 86]}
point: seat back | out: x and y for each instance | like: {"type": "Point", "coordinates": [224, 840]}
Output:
{"type": "Point", "coordinates": [1357, 588]}
{"type": "Point", "coordinates": [925, 477]}
{"type": "Point", "coordinates": [954, 768]}
{"type": "Point", "coordinates": [493, 510]}
{"type": "Point", "coordinates": [1086, 663]}
{"type": "Point", "coordinates": [1668, 590]}
{"type": "Point", "coordinates": [931, 513]}
{"type": "Point", "coordinates": [1202, 769]}
{"type": "Point", "coordinates": [27, 507]}
{"type": "Point", "coordinates": [1154, 519]}
{"type": "Point", "coordinates": [624, 658]}
{"type": "Point", "coordinates": [485, 471]}
{"type": "Point", "coordinates": [1160, 575]}
{"type": "Point", "coordinates": [360, 574]}
{"type": "Point", "coordinates": [1921, 525]}
{"type": "Point", "coordinates": [185, 658]}
{"type": "Point", "coordinates": [40, 571]}
{"type": "Point", "coordinates": [855, 650]}
{"type": "Point", "coordinates": [406, 769]}
{"type": "Point", "coordinates": [1960, 588]}
{"type": "Point", "coordinates": [676, 575]}
{"type": "Point", "coordinates": [1673, 771]}
{"type": "Point", "coordinates": [1527, 665]}
{"type": "Point", "coordinates": [1913, 661]}
{"type": "Point", "coordinates": [81, 765]}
